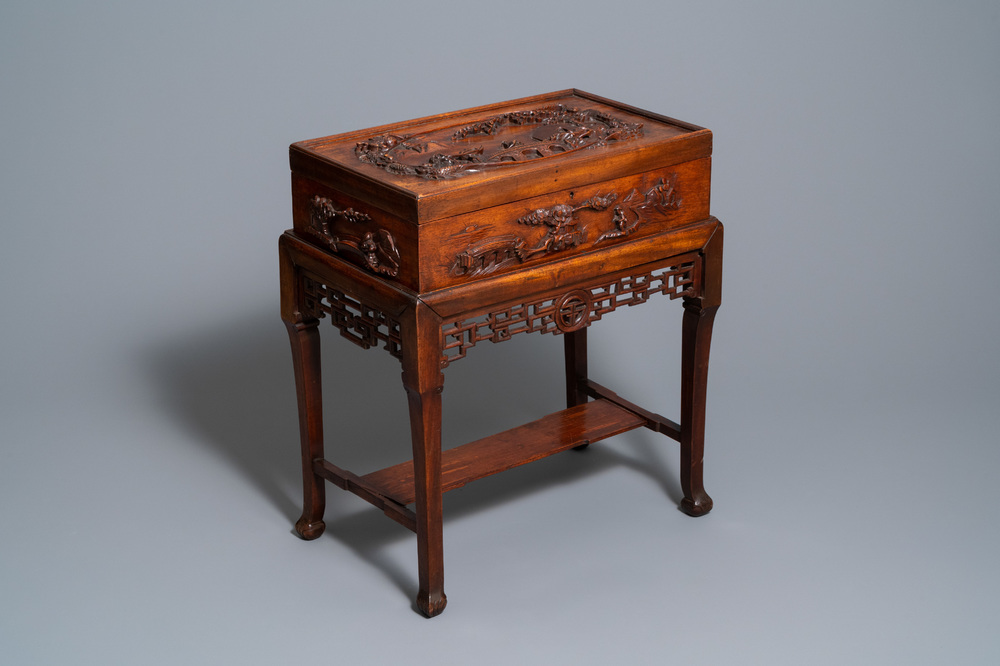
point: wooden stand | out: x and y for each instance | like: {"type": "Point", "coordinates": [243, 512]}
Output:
{"type": "Point", "coordinates": [357, 282]}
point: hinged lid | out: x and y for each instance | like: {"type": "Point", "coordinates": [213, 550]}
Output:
{"type": "Point", "coordinates": [458, 162]}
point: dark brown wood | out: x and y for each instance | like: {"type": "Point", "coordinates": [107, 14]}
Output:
{"type": "Point", "coordinates": [699, 316]}
{"type": "Point", "coordinates": [309, 388]}
{"type": "Point", "coordinates": [352, 482]}
{"type": "Point", "coordinates": [575, 346]}
{"type": "Point", "coordinates": [654, 422]}
{"type": "Point", "coordinates": [590, 422]}
{"type": "Point", "coordinates": [542, 214]}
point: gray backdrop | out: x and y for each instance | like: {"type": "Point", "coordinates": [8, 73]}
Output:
{"type": "Point", "coordinates": [148, 478]}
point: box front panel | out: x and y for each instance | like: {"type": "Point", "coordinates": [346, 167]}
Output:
{"type": "Point", "coordinates": [529, 232]}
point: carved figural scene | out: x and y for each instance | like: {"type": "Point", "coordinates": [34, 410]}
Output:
{"type": "Point", "coordinates": [502, 140]}
{"type": "Point", "coordinates": [376, 248]}
{"type": "Point", "coordinates": [563, 229]}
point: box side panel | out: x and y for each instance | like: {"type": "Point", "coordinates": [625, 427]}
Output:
{"type": "Point", "coordinates": [359, 232]}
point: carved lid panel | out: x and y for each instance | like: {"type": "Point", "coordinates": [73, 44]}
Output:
{"type": "Point", "coordinates": [502, 140]}
{"type": "Point", "coordinates": [458, 162]}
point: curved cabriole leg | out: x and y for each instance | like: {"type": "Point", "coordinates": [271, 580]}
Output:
{"type": "Point", "coordinates": [697, 339]}
{"type": "Point", "coordinates": [424, 383]}
{"type": "Point", "coordinates": [304, 337]}
{"type": "Point", "coordinates": [699, 315]}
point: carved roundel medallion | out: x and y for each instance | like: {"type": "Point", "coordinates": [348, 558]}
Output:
{"type": "Point", "coordinates": [572, 311]}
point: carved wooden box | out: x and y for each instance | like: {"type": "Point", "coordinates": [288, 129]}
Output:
{"type": "Point", "coordinates": [443, 201]}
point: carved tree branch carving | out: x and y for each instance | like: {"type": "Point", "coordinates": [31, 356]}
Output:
{"type": "Point", "coordinates": [377, 249]}
{"type": "Point", "coordinates": [547, 132]}
{"type": "Point", "coordinates": [563, 231]}
{"type": "Point", "coordinates": [632, 212]}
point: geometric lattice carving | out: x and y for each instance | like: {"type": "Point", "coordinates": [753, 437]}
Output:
{"type": "Point", "coordinates": [360, 323]}
{"type": "Point", "coordinates": [569, 311]}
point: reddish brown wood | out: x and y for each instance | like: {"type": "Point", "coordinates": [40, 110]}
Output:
{"type": "Point", "coordinates": [563, 274]}
{"type": "Point", "coordinates": [334, 272]}
{"type": "Point", "coordinates": [424, 382]}
{"type": "Point", "coordinates": [664, 142]}
{"type": "Point", "coordinates": [560, 225]}
{"type": "Point", "coordinates": [590, 422]}
{"type": "Point", "coordinates": [348, 230]}
{"type": "Point", "coordinates": [542, 214]}
{"type": "Point", "coordinates": [500, 141]}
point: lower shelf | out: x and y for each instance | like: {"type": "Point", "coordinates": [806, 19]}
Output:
{"type": "Point", "coordinates": [590, 422]}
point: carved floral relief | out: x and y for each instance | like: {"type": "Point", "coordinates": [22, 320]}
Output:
{"type": "Point", "coordinates": [377, 249]}
{"type": "Point", "coordinates": [636, 208]}
{"type": "Point", "coordinates": [564, 231]}
{"type": "Point", "coordinates": [502, 140]}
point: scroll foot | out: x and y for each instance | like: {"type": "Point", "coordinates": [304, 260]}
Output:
{"type": "Point", "coordinates": [309, 530]}
{"type": "Point", "coordinates": [431, 604]}
{"type": "Point", "coordinates": [697, 506]}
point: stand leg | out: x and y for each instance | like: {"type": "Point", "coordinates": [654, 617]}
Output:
{"type": "Point", "coordinates": [304, 337]}
{"type": "Point", "coordinates": [424, 383]}
{"type": "Point", "coordinates": [576, 366]}
{"type": "Point", "coordinates": [697, 339]}
{"type": "Point", "coordinates": [576, 370]}
{"type": "Point", "coordinates": [699, 315]}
